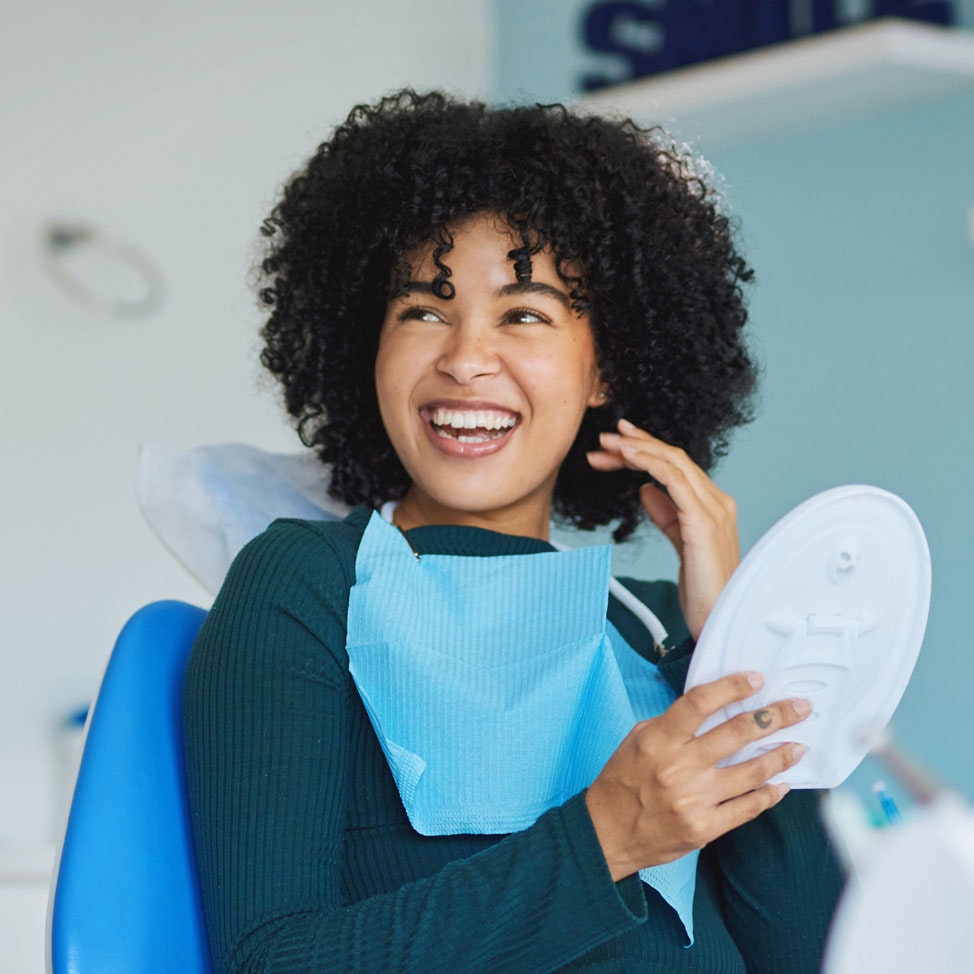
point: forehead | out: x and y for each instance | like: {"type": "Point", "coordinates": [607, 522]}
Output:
{"type": "Point", "coordinates": [484, 230]}
{"type": "Point", "coordinates": [483, 244]}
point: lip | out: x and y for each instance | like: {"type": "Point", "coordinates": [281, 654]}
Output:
{"type": "Point", "coordinates": [451, 447]}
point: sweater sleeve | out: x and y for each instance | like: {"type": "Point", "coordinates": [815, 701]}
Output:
{"type": "Point", "coordinates": [266, 716]}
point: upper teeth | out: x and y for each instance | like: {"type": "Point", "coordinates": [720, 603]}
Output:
{"type": "Point", "coordinates": [468, 419]}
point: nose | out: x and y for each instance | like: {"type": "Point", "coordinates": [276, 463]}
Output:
{"type": "Point", "coordinates": [469, 353]}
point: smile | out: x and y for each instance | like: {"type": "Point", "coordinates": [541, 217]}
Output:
{"type": "Point", "coordinates": [471, 425]}
{"type": "Point", "coordinates": [469, 432]}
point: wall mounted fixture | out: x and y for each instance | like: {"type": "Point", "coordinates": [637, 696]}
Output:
{"type": "Point", "coordinates": [105, 274]}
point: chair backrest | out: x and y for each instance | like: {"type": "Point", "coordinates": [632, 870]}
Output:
{"type": "Point", "coordinates": [126, 896]}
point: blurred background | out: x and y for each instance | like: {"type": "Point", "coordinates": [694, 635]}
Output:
{"type": "Point", "coordinates": [144, 144]}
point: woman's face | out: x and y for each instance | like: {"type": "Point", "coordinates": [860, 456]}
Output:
{"type": "Point", "coordinates": [482, 395]}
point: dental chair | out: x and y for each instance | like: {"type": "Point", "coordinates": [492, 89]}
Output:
{"type": "Point", "coordinates": [125, 898]}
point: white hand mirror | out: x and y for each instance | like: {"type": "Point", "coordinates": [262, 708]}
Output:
{"type": "Point", "coordinates": [831, 605]}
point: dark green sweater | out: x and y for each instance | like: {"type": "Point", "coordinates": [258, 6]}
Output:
{"type": "Point", "coordinates": [309, 864]}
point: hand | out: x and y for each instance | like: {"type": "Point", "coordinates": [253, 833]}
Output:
{"type": "Point", "coordinates": [661, 794]}
{"type": "Point", "coordinates": [699, 519]}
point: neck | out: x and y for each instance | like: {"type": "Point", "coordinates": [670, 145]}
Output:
{"type": "Point", "coordinates": [418, 510]}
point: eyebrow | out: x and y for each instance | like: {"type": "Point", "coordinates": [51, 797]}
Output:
{"type": "Point", "coordinates": [518, 287]}
{"type": "Point", "coordinates": [534, 287]}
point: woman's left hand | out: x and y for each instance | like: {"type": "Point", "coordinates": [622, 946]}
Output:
{"type": "Point", "coordinates": [699, 519]}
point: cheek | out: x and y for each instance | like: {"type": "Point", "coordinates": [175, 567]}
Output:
{"type": "Point", "coordinates": [579, 377]}
{"type": "Point", "coordinates": [386, 371]}
{"type": "Point", "coordinates": [399, 367]}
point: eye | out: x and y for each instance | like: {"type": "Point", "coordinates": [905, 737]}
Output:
{"type": "Point", "coordinates": [418, 314]}
{"type": "Point", "coordinates": [525, 316]}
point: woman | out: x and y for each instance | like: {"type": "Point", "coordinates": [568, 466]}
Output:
{"type": "Point", "coordinates": [481, 318]}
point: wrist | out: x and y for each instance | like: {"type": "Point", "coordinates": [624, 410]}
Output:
{"type": "Point", "coordinates": [606, 831]}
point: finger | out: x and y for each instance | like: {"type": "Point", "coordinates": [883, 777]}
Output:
{"type": "Point", "coordinates": [739, 779]}
{"type": "Point", "coordinates": [663, 513]}
{"type": "Point", "coordinates": [736, 811]}
{"type": "Point", "coordinates": [626, 453]}
{"type": "Point", "coordinates": [728, 738]}
{"type": "Point", "coordinates": [604, 460]}
{"type": "Point", "coordinates": [688, 712]}
{"type": "Point", "coordinates": [631, 429]}
{"type": "Point", "coordinates": [619, 444]}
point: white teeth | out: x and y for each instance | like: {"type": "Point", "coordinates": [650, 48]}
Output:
{"type": "Point", "coordinates": [470, 419]}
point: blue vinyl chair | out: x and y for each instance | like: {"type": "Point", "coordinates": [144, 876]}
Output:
{"type": "Point", "coordinates": [126, 897]}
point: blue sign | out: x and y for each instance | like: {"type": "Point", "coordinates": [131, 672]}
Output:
{"type": "Point", "coordinates": [552, 49]}
{"type": "Point", "coordinates": [651, 36]}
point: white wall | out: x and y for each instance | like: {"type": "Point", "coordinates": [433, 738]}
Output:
{"type": "Point", "coordinates": [171, 125]}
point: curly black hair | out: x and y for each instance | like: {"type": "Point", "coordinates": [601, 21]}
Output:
{"type": "Point", "coordinates": [660, 277]}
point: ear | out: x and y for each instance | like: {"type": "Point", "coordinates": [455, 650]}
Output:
{"type": "Point", "coordinates": [600, 395]}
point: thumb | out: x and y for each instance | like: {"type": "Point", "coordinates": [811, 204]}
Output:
{"type": "Point", "coordinates": [663, 513]}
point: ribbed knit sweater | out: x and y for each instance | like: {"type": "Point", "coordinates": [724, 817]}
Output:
{"type": "Point", "coordinates": [308, 862]}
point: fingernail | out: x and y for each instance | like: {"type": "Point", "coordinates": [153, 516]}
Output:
{"type": "Point", "coordinates": [802, 707]}
{"type": "Point", "coordinates": [756, 680]}
{"type": "Point", "coordinates": [798, 752]}
{"type": "Point", "coordinates": [625, 424]}
{"type": "Point", "coordinates": [783, 790]}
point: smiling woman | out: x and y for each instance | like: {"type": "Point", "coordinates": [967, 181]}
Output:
{"type": "Point", "coordinates": [438, 744]}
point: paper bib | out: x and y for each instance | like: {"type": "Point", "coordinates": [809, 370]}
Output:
{"type": "Point", "coordinates": [494, 687]}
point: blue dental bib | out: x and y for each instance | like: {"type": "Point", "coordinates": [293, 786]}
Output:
{"type": "Point", "coordinates": [496, 686]}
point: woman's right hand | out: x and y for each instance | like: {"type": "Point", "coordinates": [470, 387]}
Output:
{"type": "Point", "coordinates": [661, 794]}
